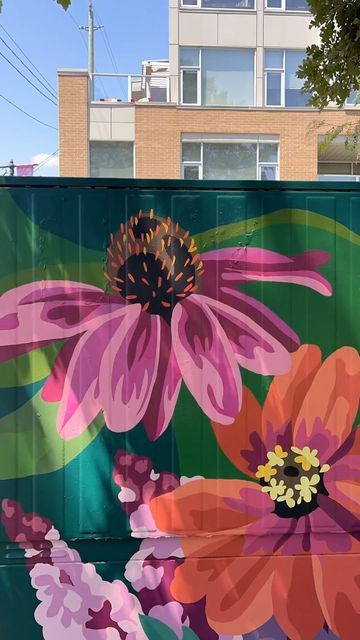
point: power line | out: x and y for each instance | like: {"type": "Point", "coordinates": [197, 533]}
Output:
{"type": "Point", "coordinates": [78, 27]}
{"type": "Point", "coordinates": [41, 164]}
{"type": "Point", "coordinates": [81, 31]}
{"type": "Point", "coordinates": [27, 58]}
{"type": "Point", "coordinates": [28, 68]}
{"type": "Point", "coordinates": [27, 114]}
{"type": "Point", "coordinates": [109, 50]}
{"type": "Point", "coordinates": [27, 79]}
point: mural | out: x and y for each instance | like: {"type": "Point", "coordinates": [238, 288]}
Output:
{"type": "Point", "coordinates": [180, 382]}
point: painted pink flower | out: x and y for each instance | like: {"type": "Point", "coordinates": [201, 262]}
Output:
{"type": "Point", "coordinates": [173, 315]}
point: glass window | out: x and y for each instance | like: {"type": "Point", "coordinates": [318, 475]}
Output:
{"type": "Point", "coordinates": [227, 77]}
{"type": "Point", "coordinates": [191, 172]}
{"type": "Point", "coordinates": [274, 59]}
{"type": "Point", "coordinates": [189, 3]}
{"type": "Point", "coordinates": [189, 57]}
{"type": "Point", "coordinates": [190, 87]}
{"type": "Point", "coordinates": [334, 168]}
{"type": "Point", "coordinates": [268, 152]}
{"type": "Point", "coordinates": [267, 173]}
{"type": "Point", "coordinates": [228, 4]}
{"type": "Point", "coordinates": [296, 5]}
{"type": "Point", "coordinates": [111, 159]}
{"type": "Point", "coordinates": [273, 89]}
{"type": "Point", "coordinates": [354, 98]}
{"type": "Point", "coordinates": [191, 151]}
{"type": "Point", "coordinates": [288, 5]}
{"type": "Point", "coordinates": [229, 161]}
{"type": "Point", "coordinates": [293, 95]}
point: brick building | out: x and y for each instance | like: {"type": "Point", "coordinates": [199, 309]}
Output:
{"type": "Point", "coordinates": [226, 105]}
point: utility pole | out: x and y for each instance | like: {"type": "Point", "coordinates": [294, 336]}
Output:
{"type": "Point", "coordinates": [91, 28]}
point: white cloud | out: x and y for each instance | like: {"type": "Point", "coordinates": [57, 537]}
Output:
{"type": "Point", "coordinates": [50, 166]}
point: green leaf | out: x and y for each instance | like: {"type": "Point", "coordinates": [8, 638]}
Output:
{"type": "Point", "coordinates": [64, 3]}
{"type": "Point", "coordinates": [156, 630]}
{"type": "Point", "coordinates": [30, 444]}
{"type": "Point", "coordinates": [29, 368]}
{"type": "Point", "coordinates": [188, 634]}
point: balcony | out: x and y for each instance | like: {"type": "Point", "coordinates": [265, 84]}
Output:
{"type": "Point", "coordinates": [129, 88]}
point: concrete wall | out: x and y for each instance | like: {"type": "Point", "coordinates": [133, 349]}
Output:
{"type": "Point", "coordinates": [112, 123]}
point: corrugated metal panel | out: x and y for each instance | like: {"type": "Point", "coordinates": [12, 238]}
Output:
{"type": "Point", "coordinates": [230, 509]}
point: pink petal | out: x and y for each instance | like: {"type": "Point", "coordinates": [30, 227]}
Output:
{"type": "Point", "coordinates": [54, 386]}
{"type": "Point", "coordinates": [254, 348]}
{"type": "Point", "coordinates": [166, 388]}
{"type": "Point", "coordinates": [129, 368]}
{"type": "Point", "coordinates": [80, 400]}
{"type": "Point", "coordinates": [206, 360]}
{"type": "Point", "coordinates": [41, 312]}
{"type": "Point", "coordinates": [246, 264]}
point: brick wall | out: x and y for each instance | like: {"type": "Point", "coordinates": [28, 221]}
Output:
{"type": "Point", "coordinates": [158, 135]}
{"type": "Point", "coordinates": [73, 123]}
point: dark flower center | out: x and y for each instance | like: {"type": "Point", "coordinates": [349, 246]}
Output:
{"type": "Point", "coordinates": [153, 262]}
{"type": "Point", "coordinates": [293, 479]}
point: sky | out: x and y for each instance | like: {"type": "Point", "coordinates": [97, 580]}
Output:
{"type": "Point", "coordinates": [136, 30]}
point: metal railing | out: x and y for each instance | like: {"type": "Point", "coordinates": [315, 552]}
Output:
{"type": "Point", "coordinates": [128, 88]}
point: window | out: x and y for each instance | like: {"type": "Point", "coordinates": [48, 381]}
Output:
{"type": "Point", "coordinates": [353, 99]}
{"type": "Point", "coordinates": [230, 160]}
{"type": "Point", "coordinates": [217, 77]}
{"type": "Point", "coordinates": [287, 5]}
{"type": "Point", "coordinates": [343, 171]}
{"type": "Point", "coordinates": [111, 159]}
{"type": "Point", "coordinates": [282, 86]}
{"type": "Point", "coordinates": [219, 4]}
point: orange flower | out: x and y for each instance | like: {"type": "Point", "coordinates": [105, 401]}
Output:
{"type": "Point", "coordinates": [274, 545]}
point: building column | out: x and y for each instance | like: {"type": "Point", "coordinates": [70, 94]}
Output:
{"type": "Point", "coordinates": [73, 99]}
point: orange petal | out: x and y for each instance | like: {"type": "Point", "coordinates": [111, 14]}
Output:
{"type": "Point", "coordinates": [337, 581]}
{"type": "Point", "coordinates": [238, 598]}
{"type": "Point", "coordinates": [296, 606]}
{"type": "Point", "coordinates": [237, 437]}
{"type": "Point", "coordinates": [190, 583]}
{"type": "Point", "coordinates": [347, 494]}
{"type": "Point", "coordinates": [287, 392]}
{"type": "Point", "coordinates": [200, 507]}
{"type": "Point", "coordinates": [331, 404]}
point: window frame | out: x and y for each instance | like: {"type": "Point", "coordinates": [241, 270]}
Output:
{"type": "Point", "coordinates": [282, 71]}
{"type": "Point", "coordinates": [198, 69]}
{"type": "Point", "coordinates": [199, 5]}
{"type": "Point", "coordinates": [258, 140]}
{"type": "Point", "coordinates": [284, 9]}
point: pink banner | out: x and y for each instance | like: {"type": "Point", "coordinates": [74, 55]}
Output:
{"type": "Point", "coordinates": [25, 170]}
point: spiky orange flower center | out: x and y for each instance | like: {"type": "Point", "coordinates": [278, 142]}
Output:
{"type": "Point", "coordinates": [153, 262]}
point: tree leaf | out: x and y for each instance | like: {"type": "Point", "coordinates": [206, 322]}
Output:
{"type": "Point", "coordinates": [156, 630]}
{"type": "Point", "coordinates": [188, 634]}
{"type": "Point", "coordinates": [30, 444]}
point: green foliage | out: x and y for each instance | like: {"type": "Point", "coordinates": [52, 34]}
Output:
{"type": "Point", "coordinates": [64, 3]}
{"type": "Point", "coordinates": [331, 69]}
{"type": "Point", "coordinates": [189, 634]}
{"type": "Point", "coordinates": [156, 630]}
